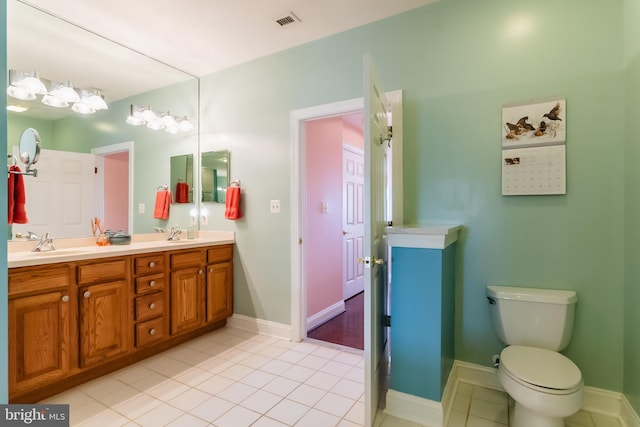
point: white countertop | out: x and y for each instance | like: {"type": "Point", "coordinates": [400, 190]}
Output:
{"type": "Point", "coordinates": [20, 255]}
{"type": "Point", "coordinates": [430, 236]}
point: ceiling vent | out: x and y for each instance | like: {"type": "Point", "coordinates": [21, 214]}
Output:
{"type": "Point", "coordinates": [287, 19]}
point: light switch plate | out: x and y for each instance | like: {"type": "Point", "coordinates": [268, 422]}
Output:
{"type": "Point", "coordinates": [140, 207]}
{"type": "Point", "coordinates": [275, 206]}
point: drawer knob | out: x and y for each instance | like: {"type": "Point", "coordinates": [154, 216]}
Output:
{"type": "Point", "coordinates": [152, 283]}
{"type": "Point", "coordinates": [152, 264]}
{"type": "Point", "coordinates": [200, 271]}
{"type": "Point", "coordinates": [152, 305]}
{"type": "Point", "coordinates": [65, 298]}
{"type": "Point", "coordinates": [86, 294]}
{"type": "Point", "coordinates": [152, 331]}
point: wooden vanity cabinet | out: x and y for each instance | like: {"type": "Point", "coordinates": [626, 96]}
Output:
{"type": "Point", "coordinates": [150, 299]}
{"type": "Point", "coordinates": [75, 321]}
{"type": "Point", "coordinates": [41, 327]}
{"type": "Point", "coordinates": [219, 283]}
{"type": "Point", "coordinates": [104, 310]}
{"type": "Point", "coordinates": [187, 290]}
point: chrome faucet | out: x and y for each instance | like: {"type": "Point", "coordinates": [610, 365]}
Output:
{"type": "Point", "coordinates": [159, 230]}
{"type": "Point", "coordinates": [174, 233]}
{"type": "Point", "coordinates": [45, 244]}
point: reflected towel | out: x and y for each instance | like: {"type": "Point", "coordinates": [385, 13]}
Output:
{"type": "Point", "coordinates": [17, 199]}
{"type": "Point", "coordinates": [182, 192]}
{"type": "Point", "coordinates": [163, 200]}
{"type": "Point", "coordinates": [232, 204]}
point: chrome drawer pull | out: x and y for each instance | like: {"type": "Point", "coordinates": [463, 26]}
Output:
{"type": "Point", "coordinates": [152, 331]}
{"type": "Point", "coordinates": [152, 305]}
{"type": "Point", "coordinates": [86, 294]}
{"type": "Point", "coordinates": [65, 298]}
{"type": "Point", "coordinates": [152, 283]}
{"type": "Point", "coordinates": [152, 264]}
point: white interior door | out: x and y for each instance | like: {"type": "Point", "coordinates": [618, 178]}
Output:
{"type": "Point", "coordinates": [61, 198]}
{"type": "Point", "coordinates": [375, 130]}
{"type": "Point", "coordinates": [353, 221]}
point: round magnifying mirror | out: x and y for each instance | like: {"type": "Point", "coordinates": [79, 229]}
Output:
{"type": "Point", "coordinates": [29, 146]}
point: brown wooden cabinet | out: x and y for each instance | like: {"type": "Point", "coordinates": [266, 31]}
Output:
{"type": "Point", "coordinates": [103, 310]}
{"type": "Point", "coordinates": [219, 283]}
{"type": "Point", "coordinates": [40, 326]}
{"type": "Point", "coordinates": [187, 290]}
{"type": "Point", "coordinates": [150, 299]}
{"type": "Point", "coordinates": [71, 322]}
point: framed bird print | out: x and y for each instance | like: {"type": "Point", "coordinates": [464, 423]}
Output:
{"type": "Point", "coordinates": [534, 148]}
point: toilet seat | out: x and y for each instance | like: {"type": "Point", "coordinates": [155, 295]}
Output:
{"type": "Point", "coordinates": [540, 369]}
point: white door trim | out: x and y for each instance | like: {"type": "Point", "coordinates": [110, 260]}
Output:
{"type": "Point", "coordinates": [100, 152]}
{"type": "Point", "coordinates": [298, 117]}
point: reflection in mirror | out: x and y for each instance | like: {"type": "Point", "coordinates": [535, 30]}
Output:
{"type": "Point", "coordinates": [29, 147]}
{"type": "Point", "coordinates": [36, 40]}
{"type": "Point", "coordinates": [215, 176]}
{"type": "Point", "coordinates": [182, 178]}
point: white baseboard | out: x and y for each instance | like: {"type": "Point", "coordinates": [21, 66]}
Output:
{"type": "Point", "coordinates": [260, 326]}
{"type": "Point", "coordinates": [628, 416]}
{"type": "Point", "coordinates": [595, 399]}
{"type": "Point", "coordinates": [413, 408]}
{"type": "Point", "coordinates": [325, 315]}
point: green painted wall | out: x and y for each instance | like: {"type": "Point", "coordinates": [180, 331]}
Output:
{"type": "Point", "coordinates": [4, 395]}
{"type": "Point", "coordinates": [458, 62]}
{"type": "Point", "coordinates": [632, 204]}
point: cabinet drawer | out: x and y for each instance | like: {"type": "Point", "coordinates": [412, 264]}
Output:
{"type": "Point", "coordinates": [150, 331]}
{"type": "Point", "coordinates": [35, 279]}
{"type": "Point", "coordinates": [150, 306]}
{"type": "Point", "coordinates": [187, 259]}
{"type": "Point", "coordinates": [149, 264]}
{"type": "Point", "coordinates": [104, 271]}
{"type": "Point", "coordinates": [148, 284]}
{"type": "Point", "coordinates": [220, 253]}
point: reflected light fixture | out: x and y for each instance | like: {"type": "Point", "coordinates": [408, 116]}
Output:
{"type": "Point", "coordinates": [140, 116]}
{"type": "Point", "coordinates": [26, 86]}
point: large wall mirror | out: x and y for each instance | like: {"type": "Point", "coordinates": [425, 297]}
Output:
{"type": "Point", "coordinates": [122, 158]}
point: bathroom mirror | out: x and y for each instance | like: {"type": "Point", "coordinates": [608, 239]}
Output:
{"type": "Point", "coordinates": [61, 51]}
{"type": "Point", "coordinates": [29, 147]}
{"type": "Point", "coordinates": [182, 178]}
{"type": "Point", "coordinates": [215, 176]}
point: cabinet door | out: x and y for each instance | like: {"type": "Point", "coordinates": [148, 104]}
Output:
{"type": "Point", "coordinates": [104, 323]}
{"type": "Point", "coordinates": [187, 299]}
{"type": "Point", "coordinates": [219, 291]}
{"type": "Point", "coordinates": [39, 339]}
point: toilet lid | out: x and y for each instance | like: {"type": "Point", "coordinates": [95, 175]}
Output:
{"type": "Point", "coordinates": [540, 367]}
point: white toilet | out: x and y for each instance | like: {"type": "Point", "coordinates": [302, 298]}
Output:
{"type": "Point", "coordinates": [536, 324]}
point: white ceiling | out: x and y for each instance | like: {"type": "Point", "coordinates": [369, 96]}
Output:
{"type": "Point", "coordinates": [196, 37]}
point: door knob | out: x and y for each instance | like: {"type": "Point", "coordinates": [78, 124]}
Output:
{"type": "Point", "coordinates": [345, 232]}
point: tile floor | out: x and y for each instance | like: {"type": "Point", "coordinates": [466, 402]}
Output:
{"type": "Point", "coordinates": [236, 378]}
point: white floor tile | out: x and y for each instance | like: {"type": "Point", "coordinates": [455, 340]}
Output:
{"type": "Point", "coordinates": [188, 420]}
{"type": "Point", "coordinates": [236, 392]}
{"type": "Point", "coordinates": [281, 386]}
{"type": "Point", "coordinates": [261, 401]}
{"type": "Point", "coordinates": [237, 417]}
{"type": "Point", "coordinates": [306, 395]}
{"type": "Point", "coordinates": [315, 418]}
{"type": "Point", "coordinates": [334, 404]}
{"type": "Point", "coordinates": [211, 409]}
{"type": "Point", "coordinates": [287, 411]}
{"type": "Point", "coordinates": [159, 416]}
{"type": "Point", "coordinates": [189, 399]}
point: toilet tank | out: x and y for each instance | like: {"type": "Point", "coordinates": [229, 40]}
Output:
{"type": "Point", "coordinates": [540, 318]}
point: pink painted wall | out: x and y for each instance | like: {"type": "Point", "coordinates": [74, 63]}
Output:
{"type": "Point", "coordinates": [116, 191]}
{"type": "Point", "coordinates": [322, 238]}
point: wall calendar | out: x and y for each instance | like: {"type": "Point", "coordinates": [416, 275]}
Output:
{"type": "Point", "coordinates": [534, 149]}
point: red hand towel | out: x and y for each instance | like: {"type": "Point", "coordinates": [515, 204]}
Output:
{"type": "Point", "coordinates": [17, 213]}
{"type": "Point", "coordinates": [182, 192]}
{"type": "Point", "coordinates": [232, 204]}
{"type": "Point", "coordinates": [163, 200]}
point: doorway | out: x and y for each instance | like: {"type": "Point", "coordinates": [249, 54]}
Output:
{"type": "Point", "coordinates": [299, 119]}
{"type": "Point", "coordinates": [114, 185]}
{"type": "Point", "coordinates": [334, 228]}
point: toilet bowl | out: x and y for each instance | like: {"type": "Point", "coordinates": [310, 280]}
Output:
{"type": "Point", "coordinates": [546, 386]}
{"type": "Point", "coordinates": [536, 324]}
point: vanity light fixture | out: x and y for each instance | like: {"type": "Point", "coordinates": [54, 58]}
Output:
{"type": "Point", "coordinates": [26, 86]}
{"type": "Point", "coordinates": [140, 116]}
